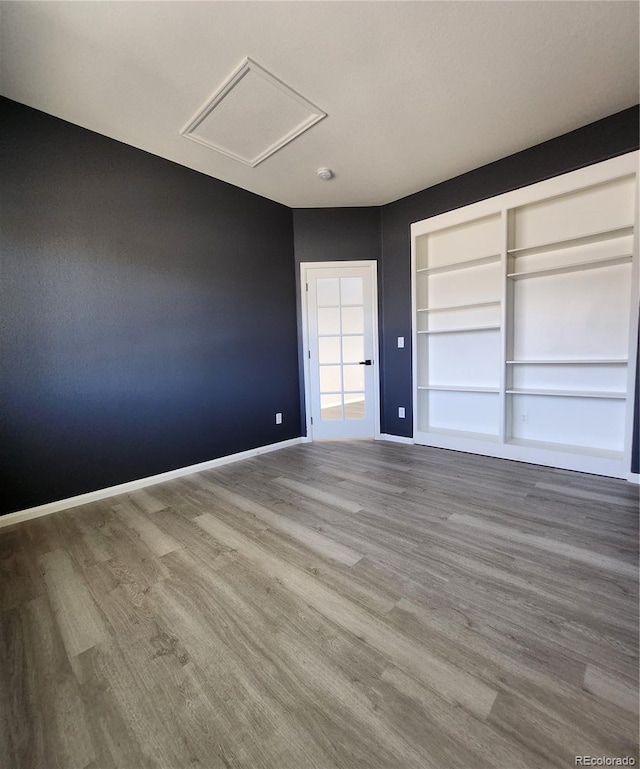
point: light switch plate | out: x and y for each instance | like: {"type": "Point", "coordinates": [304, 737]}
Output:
{"type": "Point", "coordinates": [400, 342]}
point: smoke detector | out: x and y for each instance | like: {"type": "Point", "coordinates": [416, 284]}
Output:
{"type": "Point", "coordinates": [325, 174]}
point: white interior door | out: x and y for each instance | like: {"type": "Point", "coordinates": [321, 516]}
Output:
{"type": "Point", "coordinates": [342, 371]}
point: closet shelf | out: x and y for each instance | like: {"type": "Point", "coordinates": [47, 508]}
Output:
{"type": "Point", "coordinates": [571, 362]}
{"type": "Point", "coordinates": [462, 434]}
{"type": "Point", "coordinates": [461, 330]}
{"type": "Point", "coordinates": [459, 389]}
{"type": "Point", "coordinates": [581, 240]}
{"type": "Point", "coordinates": [566, 447]}
{"type": "Point", "coordinates": [459, 265]}
{"type": "Point", "coordinates": [608, 261]}
{"type": "Point", "coordinates": [451, 307]}
{"type": "Point", "coordinates": [569, 393]}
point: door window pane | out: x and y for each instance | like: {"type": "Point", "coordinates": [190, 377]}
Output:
{"type": "Point", "coordinates": [354, 406]}
{"type": "Point", "coordinates": [352, 349]}
{"type": "Point", "coordinates": [330, 379]}
{"type": "Point", "coordinates": [353, 377]}
{"type": "Point", "coordinates": [353, 320]}
{"type": "Point", "coordinates": [329, 320]}
{"type": "Point", "coordinates": [328, 291]}
{"type": "Point", "coordinates": [330, 407]}
{"type": "Point", "coordinates": [351, 290]}
{"type": "Point", "coordinates": [329, 349]}
{"type": "Point", "coordinates": [337, 348]}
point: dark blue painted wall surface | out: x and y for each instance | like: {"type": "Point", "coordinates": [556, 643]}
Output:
{"type": "Point", "coordinates": [148, 314]}
{"type": "Point", "coordinates": [334, 235]}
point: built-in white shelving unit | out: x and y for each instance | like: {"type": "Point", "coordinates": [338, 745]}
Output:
{"type": "Point", "coordinates": [525, 322]}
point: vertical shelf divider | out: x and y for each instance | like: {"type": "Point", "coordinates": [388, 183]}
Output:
{"type": "Point", "coordinates": [414, 335]}
{"type": "Point", "coordinates": [634, 333]}
{"type": "Point", "coordinates": [505, 327]}
{"type": "Point", "coordinates": [510, 319]}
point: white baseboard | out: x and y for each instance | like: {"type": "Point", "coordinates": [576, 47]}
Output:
{"type": "Point", "coordinates": [123, 488]}
{"type": "Point", "coordinates": [634, 478]}
{"type": "Point", "coordinates": [394, 438]}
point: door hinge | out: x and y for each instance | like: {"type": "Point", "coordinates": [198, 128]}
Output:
{"type": "Point", "coordinates": [311, 420]}
{"type": "Point", "coordinates": [309, 354]}
{"type": "Point", "coordinates": [306, 286]}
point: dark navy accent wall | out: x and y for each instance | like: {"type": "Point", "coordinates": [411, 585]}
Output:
{"type": "Point", "coordinates": [148, 314]}
{"type": "Point", "coordinates": [334, 235]}
{"type": "Point", "coordinates": [593, 143]}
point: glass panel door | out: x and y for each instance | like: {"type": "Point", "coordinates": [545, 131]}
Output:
{"type": "Point", "coordinates": [341, 355]}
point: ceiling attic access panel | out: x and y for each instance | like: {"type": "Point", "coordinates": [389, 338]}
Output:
{"type": "Point", "coordinates": [251, 116]}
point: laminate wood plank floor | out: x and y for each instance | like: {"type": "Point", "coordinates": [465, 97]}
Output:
{"type": "Point", "coordinates": [353, 605]}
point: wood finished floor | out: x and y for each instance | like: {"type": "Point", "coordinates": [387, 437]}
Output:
{"type": "Point", "coordinates": [346, 605]}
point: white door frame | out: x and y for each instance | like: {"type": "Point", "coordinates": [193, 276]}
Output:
{"type": "Point", "coordinates": [372, 264]}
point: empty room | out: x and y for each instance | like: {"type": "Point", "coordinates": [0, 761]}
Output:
{"type": "Point", "coordinates": [319, 397]}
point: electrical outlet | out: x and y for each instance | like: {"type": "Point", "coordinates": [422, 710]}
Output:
{"type": "Point", "coordinates": [279, 418]}
{"type": "Point", "coordinates": [400, 342]}
{"type": "Point", "coordinates": [524, 419]}
{"type": "Point", "coordinates": [401, 413]}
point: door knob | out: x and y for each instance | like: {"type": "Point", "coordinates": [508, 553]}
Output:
{"type": "Point", "coordinates": [367, 362]}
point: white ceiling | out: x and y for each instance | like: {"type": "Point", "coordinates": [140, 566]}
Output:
{"type": "Point", "coordinates": [415, 92]}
